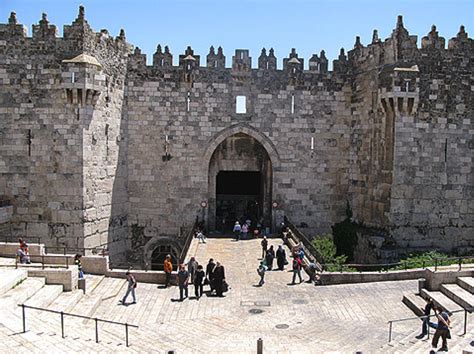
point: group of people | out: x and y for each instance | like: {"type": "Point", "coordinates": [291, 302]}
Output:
{"type": "Point", "coordinates": [247, 228]}
{"type": "Point", "coordinates": [268, 256]}
{"type": "Point", "coordinates": [442, 326]}
{"type": "Point", "coordinates": [194, 273]}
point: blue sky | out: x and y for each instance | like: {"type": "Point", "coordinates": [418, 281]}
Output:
{"type": "Point", "coordinates": [308, 26]}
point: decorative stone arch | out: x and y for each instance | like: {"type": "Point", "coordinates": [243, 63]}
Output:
{"type": "Point", "coordinates": [250, 131]}
{"type": "Point", "coordinates": [272, 156]}
{"type": "Point", "coordinates": [156, 242]}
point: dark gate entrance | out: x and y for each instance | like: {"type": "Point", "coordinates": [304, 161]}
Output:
{"type": "Point", "coordinates": [240, 183]}
{"type": "Point", "coordinates": [238, 197]}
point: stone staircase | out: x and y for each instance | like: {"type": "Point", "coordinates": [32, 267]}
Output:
{"type": "Point", "coordinates": [450, 297]}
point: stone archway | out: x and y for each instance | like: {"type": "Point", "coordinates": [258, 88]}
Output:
{"type": "Point", "coordinates": [157, 248]}
{"type": "Point", "coordinates": [240, 178]}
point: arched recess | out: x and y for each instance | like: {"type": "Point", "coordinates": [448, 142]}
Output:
{"type": "Point", "coordinates": [248, 130]}
{"type": "Point", "coordinates": [240, 161]}
{"type": "Point", "coordinates": [155, 250]}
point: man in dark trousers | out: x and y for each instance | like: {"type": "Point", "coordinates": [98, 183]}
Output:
{"type": "Point", "coordinates": [426, 311]}
{"type": "Point", "coordinates": [219, 278]}
{"type": "Point", "coordinates": [210, 273]}
{"type": "Point", "coordinates": [264, 245]}
{"type": "Point", "coordinates": [442, 330]}
{"type": "Point", "coordinates": [183, 280]}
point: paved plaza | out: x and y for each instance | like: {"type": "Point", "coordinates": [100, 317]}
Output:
{"type": "Point", "coordinates": [302, 318]}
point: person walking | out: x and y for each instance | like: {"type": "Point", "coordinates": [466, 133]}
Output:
{"type": "Point", "coordinates": [296, 269]}
{"type": "Point", "coordinates": [264, 245]}
{"type": "Point", "coordinates": [426, 312]}
{"type": "Point", "coordinates": [219, 278]}
{"type": "Point", "coordinates": [198, 281]}
{"type": "Point", "coordinates": [269, 257]}
{"type": "Point", "coordinates": [237, 230]}
{"type": "Point", "coordinates": [281, 257]}
{"type": "Point", "coordinates": [442, 330]}
{"type": "Point", "coordinates": [168, 268]}
{"type": "Point", "coordinates": [183, 280]}
{"type": "Point", "coordinates": [262, 268]}
{"type": "Point", "coordinates": [132, 285]}
{"type": "Point", "coordinates": [192, 266]}
{"type": "Point", "coordinates": [210, 273]}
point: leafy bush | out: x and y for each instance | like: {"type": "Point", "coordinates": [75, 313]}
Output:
{"type": "Point", "coordinates": [426, 259]}
{"type": "Point", "coordinates": [327, 249]}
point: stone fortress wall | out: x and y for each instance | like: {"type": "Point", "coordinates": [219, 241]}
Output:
{"type": "Point", "coordinates": [99, 147]}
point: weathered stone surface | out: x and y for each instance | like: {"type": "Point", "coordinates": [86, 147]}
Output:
{"type": "Point", "coordinates": [94, 142]}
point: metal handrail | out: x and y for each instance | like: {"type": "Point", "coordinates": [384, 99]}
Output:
{"type": "Point", "coordinates": [5, 238]}
{"type": "Point", "coordinates": [187, 243]}
{"type": "Point", "coordinates": [301, 237]}
{"type": "Point", "coordinates": [100, 250]}
{"type": "Point", "coordinates": [41, 261]}
{"type": "Point", "coordinates": [425, 264]}
{"type": "Point", "coordinates": [391, 322]}
{"type": "Point", "coordinates": [62, 313]}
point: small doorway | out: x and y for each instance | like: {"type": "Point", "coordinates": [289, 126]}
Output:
{"type": "Point", "coordinates": [238, 197]}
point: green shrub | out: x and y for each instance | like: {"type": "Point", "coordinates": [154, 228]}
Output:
{"type": "Point", "coordinates": [324, 244]}
{"type": "Point", "coordinates": [421, 260]}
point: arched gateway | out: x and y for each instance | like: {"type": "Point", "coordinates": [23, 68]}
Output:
{"type": "Point", "coordinates": [240, 179]}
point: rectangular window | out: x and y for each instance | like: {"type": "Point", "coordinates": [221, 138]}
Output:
{"type": "Point", "coordinates": [292, 104]}
{"type": "Point", "coordinates": [241, 105]}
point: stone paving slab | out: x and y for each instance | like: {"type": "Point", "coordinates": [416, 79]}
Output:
{"type": "Point", "coordinates": [303, 318]}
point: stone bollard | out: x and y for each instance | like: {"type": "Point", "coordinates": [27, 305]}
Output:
{"type": "Point", "coordinates": [260, 346]}
{"type": "Point", "coordinates": [81, 284]}
{"type": "Point", "coordinates": [421, 285]}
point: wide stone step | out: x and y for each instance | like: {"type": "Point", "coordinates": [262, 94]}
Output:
{"type": "Point", "coordinates": [459, 295]}
{"type": "Point", "coordinates": [440, 300]}
{"type": "Point", "coordinates": [466, 283]}
{"type": "Point", "coordinates": [44, 297]}
{"type": "Point", "coordinates": [415, 303]}
{"type": "Point", "coordinates": [66, 301]}
{"type": "Point", "coordinates": [10, 312]}
{"type": "Point", "coordinates": [9, 278]}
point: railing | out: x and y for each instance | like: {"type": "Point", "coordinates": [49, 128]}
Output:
{"type": "Point", "coordinates": [145, 266]}
{"type": "Point", "coordinates": [99, 250]}
{"type": "Point", "coordinates": [402, 265]}
{"type": "Point", "coordinates": [97, 320]}
{"type": "Point", "coordinates": [304, 241]}
{"type": "Point", "coordinates": [391, 322]}
{"type": "Point", "coordinates": [39, 259]}
{"type": "Point", "coordinates": [187, 242]}
{"type": "Point", "coordinates": [6, 239]}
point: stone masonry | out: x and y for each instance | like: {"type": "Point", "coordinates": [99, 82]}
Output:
{"type": "Point", "coordinates": [97, 147]}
